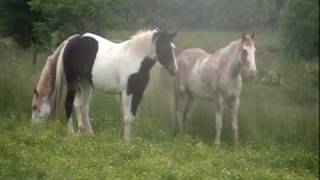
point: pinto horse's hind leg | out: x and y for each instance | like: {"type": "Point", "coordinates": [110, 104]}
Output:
{"type": "Point", "coordinates": [85, 105]}
{"type": "Point", "coordinates": [77, 107]}
{"type": "Point", "coordinates": [70, 123]}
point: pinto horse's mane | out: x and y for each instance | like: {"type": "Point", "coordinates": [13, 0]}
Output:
{"type": "Point", "coordinates": [140, 42]}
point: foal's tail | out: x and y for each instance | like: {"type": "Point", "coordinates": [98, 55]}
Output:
{"type": "Point", "coordinates": [60, 80]}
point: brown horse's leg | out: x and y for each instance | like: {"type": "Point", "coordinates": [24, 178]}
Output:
{"type": "Point", "coordinates": [187, 111]}
{"type": "Point", "coordinates": [233, 104]}
{"type": "Point", "coordinates": [218, 118]}
{"type": "Point", "coordinates": [181, 101]}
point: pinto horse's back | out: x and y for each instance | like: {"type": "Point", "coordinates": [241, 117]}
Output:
{"type": "Point", "coordinates": [78, 58]}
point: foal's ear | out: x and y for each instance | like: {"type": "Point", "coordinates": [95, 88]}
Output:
{"type": "Point", "coordinates": [252, 35]}
{"type": "Point", "coordinates": [35, 92]}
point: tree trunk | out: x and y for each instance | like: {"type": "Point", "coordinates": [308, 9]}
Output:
{"type": "Point", "coordinates": [34, 55]}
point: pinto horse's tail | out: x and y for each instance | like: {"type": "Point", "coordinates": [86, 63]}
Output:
{"type": "Point", "coordinates": [60, 81]}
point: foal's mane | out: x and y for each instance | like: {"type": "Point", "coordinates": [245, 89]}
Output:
{"type": "Point", "coordinates": [140, 42]}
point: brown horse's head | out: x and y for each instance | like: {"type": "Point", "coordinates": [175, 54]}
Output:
{"type": "Point", "coordinates": [248, 54]}
{"type": "Point", "coordinates": [41, 107]}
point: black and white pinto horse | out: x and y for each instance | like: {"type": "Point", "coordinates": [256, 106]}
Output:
{"type": "Point", "coordinates": [88, 61]}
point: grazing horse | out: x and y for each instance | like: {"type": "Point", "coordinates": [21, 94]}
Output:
{"type": "Point", "coordinates": [213, 77]}
{"type": "Point", "coordinates": [88, 61]}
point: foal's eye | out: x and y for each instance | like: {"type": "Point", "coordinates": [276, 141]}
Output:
{"type": "Point", "coordinates": [34, 107]}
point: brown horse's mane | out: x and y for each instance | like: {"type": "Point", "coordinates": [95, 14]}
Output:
{"type": "Point", "coordinates": [47, 79]}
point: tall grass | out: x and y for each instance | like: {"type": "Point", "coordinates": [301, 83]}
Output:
{"type": "Point", "coordinates": [278, 124]}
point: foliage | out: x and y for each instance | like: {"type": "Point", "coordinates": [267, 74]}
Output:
{"type": "Point", "coordinates": [36, 21]}
{"type": "Point", "coordinates": [17, 21]}
{"type": "Point", "coordinates": [218, 14]}
{"type": "Point", "coordinates": [300, 28]}
{"type": "Point", "coordinates": [77, 16]}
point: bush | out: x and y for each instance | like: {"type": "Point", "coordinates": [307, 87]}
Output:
{"type": "Point", "coordinates": [300, 28]}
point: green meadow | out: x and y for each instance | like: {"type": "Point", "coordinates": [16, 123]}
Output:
{"type": "Point", "coordinates": [278, 124]}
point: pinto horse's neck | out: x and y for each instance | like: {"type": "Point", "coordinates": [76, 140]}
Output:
{"type": "Point", "coordinates": [140, 44]}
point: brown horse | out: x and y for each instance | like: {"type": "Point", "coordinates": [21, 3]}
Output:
{"type": "Point", "coordinates": [213, 77]}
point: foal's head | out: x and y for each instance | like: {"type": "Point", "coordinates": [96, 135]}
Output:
{"type": "Point", "coordinates": [164, 50]}
{"type": "Point", "coordinates": [248, 54]}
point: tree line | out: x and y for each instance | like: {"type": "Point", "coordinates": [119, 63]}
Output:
{"type": "Point", "coordinates": [39, 23]}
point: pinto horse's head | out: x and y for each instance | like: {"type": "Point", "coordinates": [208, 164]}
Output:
{"type": "Point", "coordinates": [40, 107]}
{"type": "Point", "coordinates": [164, 50]}
{"type": "Point", "coordinates": [248, 54]}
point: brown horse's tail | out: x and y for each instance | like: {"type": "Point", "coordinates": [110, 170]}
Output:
{"type": "Point", "coordinates": [60, 81]}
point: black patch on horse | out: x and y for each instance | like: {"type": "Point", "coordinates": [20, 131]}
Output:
{"type": "Point", "coordinates": [137, 83]}
{"type": "Point", "coordinates": [78, 59]}
{"type": "Point", "coordinates": [163, 48]}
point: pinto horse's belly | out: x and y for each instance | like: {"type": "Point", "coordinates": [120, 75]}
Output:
{"type": "Point", "coordinates": [105, 74]}
{"type": "Point", "coordinates": [105, 79]}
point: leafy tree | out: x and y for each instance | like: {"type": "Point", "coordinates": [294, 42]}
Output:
{"type": "Point", "coordinates": [17, 21]}
{"type": "Point", "coordinates": [77, 16]}
{"type": "Point", "coordinates": [300, 28]}
{"type": "Point", "coordinates": [37, 22]}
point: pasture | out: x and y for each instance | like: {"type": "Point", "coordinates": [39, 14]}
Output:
{"type": "Point", "coordinates": [278, 124]}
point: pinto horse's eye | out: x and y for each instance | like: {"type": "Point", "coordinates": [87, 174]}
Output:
{"type": "Point", "coordinates": [34, 108]}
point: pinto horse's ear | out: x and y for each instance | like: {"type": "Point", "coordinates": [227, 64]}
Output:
{"type": "Point", "coordinates": [35, 92]}
{"type": "Point", "coordinates": [172, 35]}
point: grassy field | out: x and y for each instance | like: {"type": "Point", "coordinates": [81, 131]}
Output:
{"type": "Point", "coordinates": [278, 123]}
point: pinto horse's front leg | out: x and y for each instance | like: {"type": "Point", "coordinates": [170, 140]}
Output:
{"type": "Point", "coordinates": [128, 117]}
